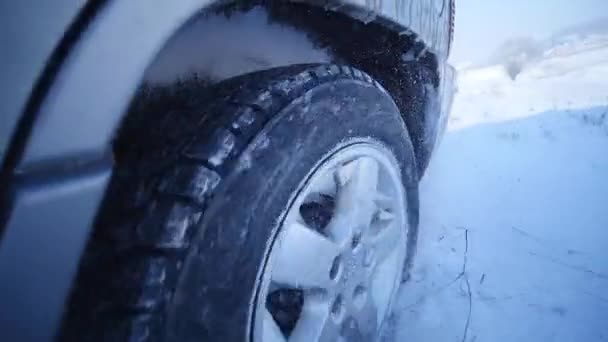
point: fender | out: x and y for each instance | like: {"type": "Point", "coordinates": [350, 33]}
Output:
{"type": "Point", "coordinates": [98, 65]}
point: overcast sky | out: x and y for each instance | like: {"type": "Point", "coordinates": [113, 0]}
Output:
{"type": "Point", "coordinates": [481, 25]}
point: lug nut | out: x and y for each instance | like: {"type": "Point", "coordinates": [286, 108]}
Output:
{"type": "Point", "coordinates": [369, 257]}
{"type": "Point", "coordinates": [359, 295]}
{"type": "Point", "coordinates": [335, 268]}
{"type": "Point", "coordinates": [336, 308]}
{"type": "Point", "coordinates": [356, 240]}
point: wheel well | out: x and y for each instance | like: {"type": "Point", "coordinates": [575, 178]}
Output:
{"type": "Point", "coordinates": [228, 40]}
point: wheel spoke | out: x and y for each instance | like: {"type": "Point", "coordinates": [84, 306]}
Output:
{"type": "Point", "coordinates": [385, 216]}
{"type": "Point", "coordinates": [315, 324]}
{"type": "Point", "coordinates": [364, 178]}
{"type": "Point", "coordinates": [324, 185]}
{"type": "Point", "coordinates": [303, 258]}
{"type": "Point", "coordinates": [385, 241]}
{"type": "Point", "coordinates": [272, 332]}
{"type": "Point", "coordinates": [367, 320]}
{"type": "Point", "coordinates": [384, 201]}
{"type": "Point", "coordinates": [355, 206]}
{"type": "Point", "coordinates": [382, 286]}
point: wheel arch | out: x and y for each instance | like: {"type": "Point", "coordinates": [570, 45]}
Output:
{"type": "Point", "coordinates": [396, 56]}
{"type": "Point", "coordinates": [97, 69]}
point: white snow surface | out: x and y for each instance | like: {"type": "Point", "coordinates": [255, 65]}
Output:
{"type": "Point", "coordinates": [513, 242]}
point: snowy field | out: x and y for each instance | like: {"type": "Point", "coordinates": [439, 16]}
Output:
{"type": "Point", "coordinates": [514, 223]}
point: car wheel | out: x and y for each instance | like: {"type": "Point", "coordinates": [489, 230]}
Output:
{"type": "Point", "coordinates": [283, 207]}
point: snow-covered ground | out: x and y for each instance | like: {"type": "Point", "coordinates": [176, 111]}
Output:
{"type": "Point", "coordinates": [514, 223]}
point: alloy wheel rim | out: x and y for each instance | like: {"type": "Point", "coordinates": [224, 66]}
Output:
{"type": "Point", "coordinates": [337, 259]}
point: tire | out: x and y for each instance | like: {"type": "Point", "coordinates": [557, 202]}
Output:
{"type": "Point", "coordinates": [203, 180]}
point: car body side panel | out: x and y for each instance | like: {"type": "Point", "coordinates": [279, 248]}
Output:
{"type": "Point", "coordinates": [40, 252]}
{"type": "Point", "coordinates": [94, 87]}
{"type": "Point", "coordinates": [31, 29]}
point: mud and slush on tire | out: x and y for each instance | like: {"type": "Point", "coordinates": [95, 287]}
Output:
{"type": "Point", "coordinates": [204, 175]}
